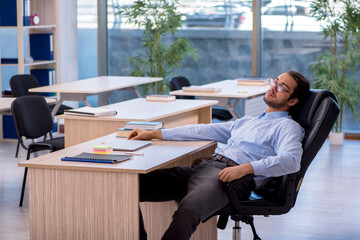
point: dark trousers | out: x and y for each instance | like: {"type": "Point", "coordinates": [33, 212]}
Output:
{"type": "Point", "coordinates": [198, 190]}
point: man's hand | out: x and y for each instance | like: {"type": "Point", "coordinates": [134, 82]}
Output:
{"type": "Point", "coordinates": [231, 173]}
{"type": "Point", "coordinates": [141, 134]}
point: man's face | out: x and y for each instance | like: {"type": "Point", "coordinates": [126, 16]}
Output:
{"type": "Point", "coordinates": [277, 100]}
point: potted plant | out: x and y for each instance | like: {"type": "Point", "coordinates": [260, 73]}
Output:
{"type": "Point", "coordinates": [159, 18]}
{"type": "Point", "coordinates": [334, 69]}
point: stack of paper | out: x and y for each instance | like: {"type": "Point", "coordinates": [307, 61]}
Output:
{"type": "Point", "coordinates": [103, 149]}
{"type": "Point", "coordinates": [143, 125]}
{"type": "Point", "coordinates": [123, 132]}
{"type": "Point", "coordinates": [252, 82]}
{"type": "Point", "coordinates": [160, 98]}
{"type": "Point", "coordinates": [90, 112]}
{"type": "Point", "coordinates": [201, 89]}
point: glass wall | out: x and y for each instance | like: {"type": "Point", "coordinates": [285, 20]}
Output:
{"type": "Point", "coordinates": [87, 41]}
{"type": "Point", "coordinates": [221, 31]}
{"type": "Point", "coordinates": [214, 28]}
{"type": "Point", "coordinates": [291, 41]}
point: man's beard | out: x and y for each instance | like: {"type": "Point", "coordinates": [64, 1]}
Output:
{"type": "Point", "coordinates": [273, 104]}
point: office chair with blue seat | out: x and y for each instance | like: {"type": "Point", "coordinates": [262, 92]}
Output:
{"type": "Point", "coordinates": [32, 118]}
{"type": "Point", "coordinates": [317, 116]}
{"type": "Point", "coordinates": [20, 85]}
{"type": "Point", "coordinates": [177, 83]}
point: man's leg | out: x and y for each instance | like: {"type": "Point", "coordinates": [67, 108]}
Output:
{"type": "Point", "coordinates": [206, 195]}
{"type": "Point", "coordinates": [162, 185]}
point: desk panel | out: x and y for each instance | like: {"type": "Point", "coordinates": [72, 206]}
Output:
{"type": "Point", "coordinates": [173, 114]}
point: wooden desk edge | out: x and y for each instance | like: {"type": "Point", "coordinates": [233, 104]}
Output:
{"type": "Point", "coordinates": [94, 166]}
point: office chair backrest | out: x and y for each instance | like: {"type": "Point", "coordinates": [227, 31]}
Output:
{"type": "Point", "coordinates": [20, 85]}
{"type": "Point", "coordinates": [317, 116]}
{"type": "Point", "coordinates": [177, 83]}
{"type": "Point", "coordinates": [32, 116]}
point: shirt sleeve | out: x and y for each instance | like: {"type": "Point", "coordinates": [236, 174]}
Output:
{"type": "Point", "coordinates": [288, 147]}
{"type": "Point", "coordinates": [219, 132]}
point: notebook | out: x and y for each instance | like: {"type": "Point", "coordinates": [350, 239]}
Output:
{"type": "Point", "coordinates": [90, 112]}
{"type": "Point", "coordinates": [97, 158]}
{"type": "Point", "coordinates": [127, 145]}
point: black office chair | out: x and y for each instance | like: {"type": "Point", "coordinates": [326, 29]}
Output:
{"type": "Point", "coordinates": [20, 85]}
{"type": "Point", "coordinates": [33, 119]}
{"type": "Point", "coordinates": [317, 116]}
{"type": "Point", "coordinates": [177, 83]}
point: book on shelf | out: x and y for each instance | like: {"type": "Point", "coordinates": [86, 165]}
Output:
{"type": "Point", "coordinates": [26, 13]}
{"type": "Point", "coordinates": [42, 46]}
{"type": "Point", "coordinates": [123, 132]}
{"type": "Point", "coordinates": [9, 60]}
{"type": "Point", "coordinates": [97, 158]}
{"type": "Point", "coordinates": [45, 77]}
{"type": "Point", "coordinates": [90, 112]}
{"type": "Point", "coordinates": [252, 81]}
{"type": "Point", "coordinates": [201, 89]}
{"type": "Point", "coordinates": [144, 125]}
{"type": "Point", "coordinates": [160, 98]}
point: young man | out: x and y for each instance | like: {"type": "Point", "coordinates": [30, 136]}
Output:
{"type": "Point", "coordinates": [254, 149]}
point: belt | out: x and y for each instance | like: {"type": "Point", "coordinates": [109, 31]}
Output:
{"type": "Point", "coordinates": [227, 161]}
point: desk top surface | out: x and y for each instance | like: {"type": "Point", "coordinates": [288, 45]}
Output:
{"type": "Point", "coordinates": [229, 89]}
{"type": "Point", "coordinates": [96, 85]}
{"type": "Point", "coordinates": [5, 102]}
{"type": "Point", "coordinates": [142, 110]}
{"type": "Point", "coordinates": [156, 155]}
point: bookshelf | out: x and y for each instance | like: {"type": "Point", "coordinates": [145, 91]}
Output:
{"type": "Point", "coordinates": [46, 10]}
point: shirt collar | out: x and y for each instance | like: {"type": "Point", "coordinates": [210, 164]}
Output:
{"type": "Point", "coordinates": [273, 115]}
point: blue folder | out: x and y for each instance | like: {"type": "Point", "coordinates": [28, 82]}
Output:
{"type": "Point", "coordinates": [45, 77]}
{"type": "Point", "coordinates": [42, 46]}
{"type": "Point", "coordinates": [8, 13]}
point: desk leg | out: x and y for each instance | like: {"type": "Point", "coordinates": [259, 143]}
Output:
{"type": "Point", "coordinates": [231, 108]}
{"type": "Point", "coordinates": [69, 204]}
{"type": "Point", "coordinates": [56, 107]}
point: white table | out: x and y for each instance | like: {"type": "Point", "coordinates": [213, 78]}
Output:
{"type": "Point", "coordinates": [5, 104]}
{"type": "Point", "coordinates": [79, 90]}
{"type": "Point", "coordinates": [230, 95]}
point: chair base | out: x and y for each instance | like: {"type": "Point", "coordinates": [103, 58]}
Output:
{"type": "Point", "coordinates": [237, 229]}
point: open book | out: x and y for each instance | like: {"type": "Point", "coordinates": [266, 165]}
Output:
{"type": "Point", "coordinates": [90, 112]}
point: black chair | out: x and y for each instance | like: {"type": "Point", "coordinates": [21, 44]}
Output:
{"type": "Point", "coordinates": [177, 83]}
{"type": "Point", "coordinates": [33, 119]}
{"type": "Point", "coordinates": [20, 85]}
{"type": "Point", "coordinates": [317, 116]}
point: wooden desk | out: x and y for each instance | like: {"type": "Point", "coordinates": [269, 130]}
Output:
{"type": "Point", "coordinates": [79, 129]}
{"type": "Point", "coordinates": [230, 95]}
{"type": "Point", "coordinates": [79, 90]}
{"type": "Point", "coordinates": [76, 200]}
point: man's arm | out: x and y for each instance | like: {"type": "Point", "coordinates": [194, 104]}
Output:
{"type": "Point", "coordinates": [141, 134]}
